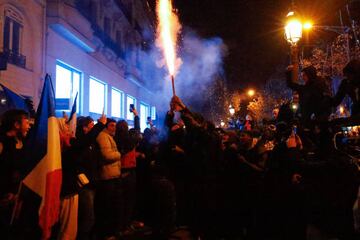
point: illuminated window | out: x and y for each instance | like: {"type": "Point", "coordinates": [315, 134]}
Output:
{"type": "Point", "coordinates": [130, 100]}
{"type": "Point", "coordinates": [144, 114]}
{"type": "Point", "coordinates": [153, 113]}
{"type": "Point", "coordinates": [117, 103]}
{"type": "Point", "coordinates": [67, 86]}
{"type": "Point", "coordinates": [97, 90]}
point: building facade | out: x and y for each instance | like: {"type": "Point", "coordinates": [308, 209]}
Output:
{"type": "Point", "coordinates": [90, 48]}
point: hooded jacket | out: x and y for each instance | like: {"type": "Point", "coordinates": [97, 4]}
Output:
{"type": "Point", "coordinates": [312, 95]}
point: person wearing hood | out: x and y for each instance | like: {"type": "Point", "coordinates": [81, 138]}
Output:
{"type": "Point", "coordinates": [313, 99]}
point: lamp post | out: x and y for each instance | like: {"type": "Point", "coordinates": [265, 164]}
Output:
{"type": "Point", "coordinates": [293, 34]}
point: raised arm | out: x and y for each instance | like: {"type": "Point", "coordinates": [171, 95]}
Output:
{"type": "Point", "coordinates": [292, 85]}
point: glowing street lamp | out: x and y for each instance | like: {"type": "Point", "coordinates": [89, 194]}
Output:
{"type": "Point", "coordinates": [251, 92]}
{"type": "Point", "coordinates": [307, 26]}
{"type": "Point", "coordinates": [293, 28]}
{"type": "Point", "coordinates": [293, 34]}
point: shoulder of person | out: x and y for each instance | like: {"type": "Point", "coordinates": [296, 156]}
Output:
{"type": "Point", "coordinates": [101, 134]}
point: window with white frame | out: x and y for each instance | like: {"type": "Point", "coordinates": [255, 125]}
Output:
{"type": "Point", "coordinates": [144, 114]}
{"type": "Point", "coordinates": [97, 96]}
{"type": "Point", "coordinates": [117, 103]}
{"type": "Point", "coordinates": [153, 113]}
{"type": "Point", "coordinates": [67, 86]}
{"type": "Point", "coordinates": [130, 100]}
{"type": "Point", "coordinates": [13, 29]}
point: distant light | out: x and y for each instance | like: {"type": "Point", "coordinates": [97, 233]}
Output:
{"type": "Point", "coordinates": [341, 110]}
{"type": "Point", "coordinates": [222, 123]}
{"type": "Point", "coordinates": [307, 25]}
{"type": "Point", "coordinates": [3, 101]}
{"type": "Point", "coordinates": [231, 110]}
{"type": "Point", "coordinates": [294, 106]}
{"type": "Point", "coordinates": [251, 92]}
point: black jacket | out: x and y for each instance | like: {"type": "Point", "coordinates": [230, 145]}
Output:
{"type": "Point", "coordinates": [84, 150]}
{"type": "Point", "coordinates": [11, 166]}
{"type": "Point", "coordinates": [312, 98]}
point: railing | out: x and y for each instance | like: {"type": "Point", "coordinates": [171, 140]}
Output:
{"type": "Point", "coordinates": [85, 10]}
{"type": "Point", "coordinates": [13, 58]}
{"type": "Point", "coordinates": [128, 14]}
{"type": "Point", "coordinates": [107, 40]}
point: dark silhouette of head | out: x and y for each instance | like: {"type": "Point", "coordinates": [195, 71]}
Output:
{"type": "Point", "coordinates": [352, 70]}
{"type": "Point", "coordinates": [310, 74]}
{"type": "Point", "coordinates": [285, 113]}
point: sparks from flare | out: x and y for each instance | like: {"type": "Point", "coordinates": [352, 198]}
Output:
{"type": "Point", "coordinates": [167, 32]}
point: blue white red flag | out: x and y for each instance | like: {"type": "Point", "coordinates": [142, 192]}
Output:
{"type": "Point", "coordinates": [46, 177]}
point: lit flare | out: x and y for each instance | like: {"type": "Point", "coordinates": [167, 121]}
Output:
{"type": "Point", "coordinates": [167, 33]}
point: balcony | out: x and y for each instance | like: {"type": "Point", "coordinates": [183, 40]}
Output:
{"type": "Point", "coordinates": [129, 16]}
{"type": "Point", "coordinates": [13, 58]}
{"type": "Point", "coordinates": [65, 20]}
{"type": "Point", "coordinates": [87, 10]}
{"type": "Point", "coordinates": [107, 40]}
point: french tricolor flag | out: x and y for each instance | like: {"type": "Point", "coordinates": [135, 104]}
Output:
{"type": "Point", "coordinates": [46, 177]}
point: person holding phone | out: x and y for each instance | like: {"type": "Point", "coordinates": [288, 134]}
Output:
{"type": "Point", "coordinates": [131, 108]}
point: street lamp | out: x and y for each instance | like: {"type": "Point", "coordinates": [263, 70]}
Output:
{"type": "Point", "coordinates": [293, 28]}
{"type": "Point", "coordinates": [293, 34]}
{"type": "Point", "coordinates": [251, 92]}
{"type": "Point", "coordinates": [307, 25]}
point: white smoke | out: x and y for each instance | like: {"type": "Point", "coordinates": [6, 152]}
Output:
{"type": "Point", "coordinates": [202, 60]}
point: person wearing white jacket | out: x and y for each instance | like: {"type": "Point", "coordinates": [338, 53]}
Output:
{"type": "Point", "coordinates": [109, 191]}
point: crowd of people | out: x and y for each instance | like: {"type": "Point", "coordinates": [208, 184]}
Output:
{"type": "Point", "coordinates": [282, 180]}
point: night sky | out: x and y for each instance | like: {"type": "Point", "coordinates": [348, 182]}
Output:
{"type": "Point", "coordinates": [252, 31]}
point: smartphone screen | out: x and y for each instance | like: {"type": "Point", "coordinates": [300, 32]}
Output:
{"type": "Point", "coordinates": [131, 107]}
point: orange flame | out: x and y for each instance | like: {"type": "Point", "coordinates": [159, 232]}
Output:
{"type": "Point", "coordinates": [167, 32]}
